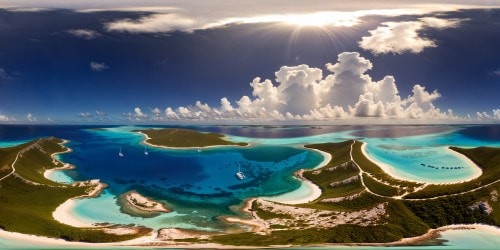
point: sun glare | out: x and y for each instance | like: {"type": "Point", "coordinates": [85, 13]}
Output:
{"type": "Point", "coordinates": [316, 19]}
{"type": "Point", "coordinates": [320, 19]}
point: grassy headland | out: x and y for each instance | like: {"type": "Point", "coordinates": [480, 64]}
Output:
{"type": "Point", "coordinates": [185, 138]}
{"type": "Point", "coordinates": [27, 199]}
{"type": "Point", "coordinates": [369, 205]}
{"type": "Point", "coordinates": [487, 158]}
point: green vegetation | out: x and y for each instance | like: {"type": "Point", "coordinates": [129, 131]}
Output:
{"type": "Point", "coordinates": [267, 215]}
{"type": "Point", "coordinates": [339, 151]}
{"type": "Point", "coordinates": [400, 223]}
{"type": "Point", "coordinates": [338, 169]}
{"type": "Point", "coordinates": [378, 187]}
{"type": "Point", "coordinates": [35, 159]}
{"type": "Point", "coordinates": [451, 210]}
{"type": "Point", "coordinates": [27, 200]}
{"type": "Point", "coordinates": [487, 158]}
{"type": "Point", "coordinates": [184, 138]}
{"type": "Point", "coordinates": [27, 208]}
{"type": "Point", "coordinates": [364, 200]}
{"type": "Point", "coordinates": [403, 218]}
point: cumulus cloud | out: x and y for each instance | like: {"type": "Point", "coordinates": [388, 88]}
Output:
{"type": "Point", "coordinates": [401, 37]}
{"type": "Point", "coordinates": [345, 91]}
{"type": "Point", "coordinates": [4, 118]}
{"type": "Point", "coordinates": [84, 33]}
{"type": "Point", "coordinates": [101, 113]}
{"type": "Point", "coordinates": [137, 115]}
{"type": "Point", "coordinates": [484, 116]}
{"type": "Point", "coordinates": [153, 23]}
{"type": "Point", "coordinates": [496, 72]}
{"type": "Point", "coordinates": [31, 118]}
{"type": "Point", "coordinates": [84, 114]}
{"type": "Point", "coordinates": [97, 67]}
{"type": "Point", "coordinates": [189, 15]}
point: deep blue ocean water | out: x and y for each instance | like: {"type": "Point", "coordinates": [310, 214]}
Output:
{"type": "Point", "coordinates": [201, 186]}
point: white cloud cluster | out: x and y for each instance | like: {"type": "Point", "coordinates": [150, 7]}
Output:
{"type": "Point", "coordinates": [483, 116]}
{"type": "Point", "coordinates": [302, 92]}
{"type": "Point", "coordinates": [137, 115]}
{"type": "Point", "coordinates": [101, 113]}
{"type": "Point", "coordinates": [97, 67]}
{"type": "Point", "coordinates": [401, 37]}
{"type": "Point", "coordinates": [84, 114]}
{"type": "Point", "coordinates": [4, 118]}
{"type": "Point", "coordinates": [84, 33]}
{"type": "Point", "coordinates": [31, 118]}
{"type": "Point", "coordinates": [153, 23]}
{"type": "Point", "coordinates": [168, 15]}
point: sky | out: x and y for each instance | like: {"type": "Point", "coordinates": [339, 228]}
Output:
{"type": "Point", "coordinates": [239, 62]}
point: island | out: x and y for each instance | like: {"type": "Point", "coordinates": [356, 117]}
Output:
{"type": "Point", "coordinates": [360, 203]}
{"type": "Point", "coordinates": [184, 138]}
{"type": "Point", "coordinates": [135, 204]}
{"type": "Point", "coordinates": [28, 199]}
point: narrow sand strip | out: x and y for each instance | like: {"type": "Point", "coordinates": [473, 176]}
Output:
{"type": "Point", "coordinates": [49, 172]}
{"type": "Point", "coordinates": [64, 214]}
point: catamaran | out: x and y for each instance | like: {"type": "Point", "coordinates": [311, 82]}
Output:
{"type": "Point", "coordinates": [240, 174]}
{"type": "Point", "coordinates": [146, 151]}
{"type": "Point", "coordinates": [120, 153]}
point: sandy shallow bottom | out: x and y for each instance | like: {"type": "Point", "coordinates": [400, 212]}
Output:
{"type": "Point", "coordinates": [391, 170]}
{"type": "Point", "coordinates": [307, 192]}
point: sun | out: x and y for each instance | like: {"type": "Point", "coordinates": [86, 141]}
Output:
{"type": "Point", "coordinates": [320, 19]}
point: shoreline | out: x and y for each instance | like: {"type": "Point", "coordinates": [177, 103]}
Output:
{"type": "Point", "coordinates": [390, 170]}
{"type": "Point", "coordinates": [477, 170]}
{"type": "Point", "coordinates": [152, 242]}
{"type": "Point", "coordinates": [146, 138]}
{"type": "Point", "coordinates": [137, 205]}
{"type": "Point", "coordinates": [313, 190]}
{"type": "Point", "coordinates": [64, 212]}
{"type": "Point", "coordinates": [66, 166]}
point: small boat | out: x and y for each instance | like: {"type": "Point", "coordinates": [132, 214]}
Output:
{"type": "Point", "coordinates": [199, 149]}
{"type": "Point", "coordinates": [120, 153]}
{"type": "Point", "coordinates": [240, 174]}
{"type": "Point", "coordinates": [146, 151]}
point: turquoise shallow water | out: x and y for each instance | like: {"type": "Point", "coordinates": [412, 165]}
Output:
{"type": "Point", "coordinates": [423, 158]}
{"type": "Point", "coordinates": [201, 186]}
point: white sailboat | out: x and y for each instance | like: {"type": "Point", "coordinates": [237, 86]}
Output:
{"type": "Point", "coordinates": [240, 174]}
{"type": "Point", "coordinates": [199, 149]}
{"type": "Point", "coordinates": [146, 151]}
{"type": "Point", "coordinates": [120, 153]}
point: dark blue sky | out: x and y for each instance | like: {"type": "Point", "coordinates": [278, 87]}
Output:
{"type": "Point", "coordinates": [46, 70]}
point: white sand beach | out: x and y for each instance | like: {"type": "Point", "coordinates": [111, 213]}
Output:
{"type": "Point", "coordinates": [477, 170]}
{"type": "Point", "coordinates": [390, 170]}
{"type": "Point", "coordinates": [64, 214]}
